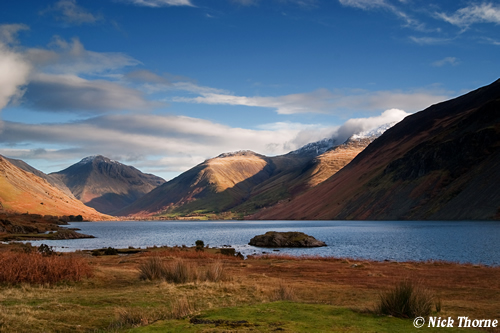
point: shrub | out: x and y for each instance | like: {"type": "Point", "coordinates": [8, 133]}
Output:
{"type": "Point", "coordinates": [45, 250]}
{"type": "Point", "coordinates": [110, 251]}
{"type": "Point", "coordinates": [407, 300]}
{"type": "Point", "coordinates": [199, 245]}
{"type": "Point", "coordinates": [152, 269]}
{"type": "Point", "coordinates": [38, 269]}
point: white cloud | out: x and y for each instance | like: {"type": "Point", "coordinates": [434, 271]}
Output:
{"type": "Point", "coordinates": [51, 79]}
{"type": "Point", "coordinates": [143, 138]}
{"type": "Point", "coordinates": [358, 125]}
{"type": "Point", "coordinates": [365, 4]}
{"type": "Point", "coordinates": [14, 68]}
{"type": "Point", "coordinates": [167, 143]}
{"type": "Point", "coordinates": [430, 40]}
{"type": "Point", "coordinates": [383, 4]}
{"type": "Point", "coordinates": [245, 2]}
{"type": "Point", "coordinates": [446, 61]}
{"type": "Point", "coordinates": [476, 13]}
{"type": "Point", "coordinates": [324, 101]}
{"type": "Point", "coordinates": [70, 12]}
{"type": "Point", "coordinates": [160, 3]}
{"type": "Point", "coordinates": [8, 32]}
{"type": "Point", "coordinates": [72, 58]}
{"type": "Point", "coordinates": [491, 41]}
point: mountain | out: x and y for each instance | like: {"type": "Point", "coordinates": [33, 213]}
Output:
{"type": "Point", "coordinates": [53, 180]}
{"type": "Point", "coordinates": [214, 185]}
{"type": "Point", "coordinates": [243, 182]}
{"type": "Point", "coordinates": [442, 163]}
{"type": "Point", "coordinates": [22, 191]}
{"type": "Point", "coordinates": [106, 185]}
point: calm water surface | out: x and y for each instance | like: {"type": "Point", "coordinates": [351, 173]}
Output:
{"type": "Point", "coordinates": [472, 242]}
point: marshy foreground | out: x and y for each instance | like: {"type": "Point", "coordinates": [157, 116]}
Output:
{"type": "Point", "coordinates": [185, 290]}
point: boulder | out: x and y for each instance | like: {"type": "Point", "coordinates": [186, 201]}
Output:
{"type": "Point", "coordinates": [285, 239]}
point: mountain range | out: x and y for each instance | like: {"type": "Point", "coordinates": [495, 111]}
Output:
{"type": "Point", "coordinates": [244, 182]}
{"type": "Point", "coordinates": [442, 163]}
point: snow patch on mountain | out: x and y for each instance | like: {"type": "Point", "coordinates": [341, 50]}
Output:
{"type": "Point", "coordinates": [91, 159]}
{"type": "Point", "coordinates": [319, 147]}
{"type": "Point", "coordinates": [373, 133]}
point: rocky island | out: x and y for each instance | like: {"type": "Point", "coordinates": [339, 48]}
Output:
{"type": "Point", "coordinates": [285, 239]}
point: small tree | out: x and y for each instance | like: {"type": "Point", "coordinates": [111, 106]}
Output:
{"type": "Point", "coordinates": [199, 245]}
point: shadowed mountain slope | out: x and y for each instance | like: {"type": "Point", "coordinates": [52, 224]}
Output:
{"type": "Point", "coordinates": [244, 182]}
{"type": "Point", "coordinates": [22, 191]}
{"type": "Point", "coordinates": [106, 185]}
{"type": "Point", "coordinates": [441, 163]}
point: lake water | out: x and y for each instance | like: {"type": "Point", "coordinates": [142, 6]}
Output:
{"type": "Point", "coordinates": [465, 242]}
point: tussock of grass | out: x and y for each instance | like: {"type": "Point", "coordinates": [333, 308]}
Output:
{"type": "Point", "coordinates": [152, 269]}
{"type": "Point", "coordinates": [406, 300]}
{"type": "Point", "coordinates": [215, 272]}
{"type": "Point", "coordinates": [284, 292]}
{"type": "Point", "coordinates": [180, 271]}
{"type": "Point", "coordinates": [35, 268]}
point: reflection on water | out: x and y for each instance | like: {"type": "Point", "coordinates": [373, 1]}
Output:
{"type": "Point", "coordinates": [474, 242]}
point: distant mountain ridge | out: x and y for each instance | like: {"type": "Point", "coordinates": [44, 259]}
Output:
{"type": "Point", "coordinates": [244, 182]}
{"type": "Point", "coordinates": [441, 163]}
{"type": "Point", "coordinates": [106, 185]}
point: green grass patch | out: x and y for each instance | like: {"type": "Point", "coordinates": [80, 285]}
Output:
{"type": "Point", "coordinates": [287, 317]}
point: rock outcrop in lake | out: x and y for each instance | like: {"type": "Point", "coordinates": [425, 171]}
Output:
{"type": "Point", "coordinates": [285, 239]}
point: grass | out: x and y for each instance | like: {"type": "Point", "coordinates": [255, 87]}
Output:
{"type": "Point", "coordinates": [407, 299]}
{"type": "Point", "coordinates": [36, 268]}
{"type": "Point", "coordinates": [286, 317]}
{"type": "Point", "coordinates": [181, 271]}
{"type": "Point", "coordinates": [300, 295]}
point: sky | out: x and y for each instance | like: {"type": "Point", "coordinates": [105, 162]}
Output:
{"type": "Point", "coordinates": [165, 84]}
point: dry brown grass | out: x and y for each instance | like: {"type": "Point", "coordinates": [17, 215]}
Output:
{"type": "Point", "coordinates": [181, 271]}
{"type": "Point", "coordinates": [284, 292]}
{"type": "Point", "coordinates": [35, 268]}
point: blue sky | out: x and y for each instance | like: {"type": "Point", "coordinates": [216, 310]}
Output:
{"type": "Point", "coordinates": [165, 84]}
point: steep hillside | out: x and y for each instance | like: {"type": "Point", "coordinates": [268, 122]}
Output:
{"type": "Point", "coordinates": [53, 180]}
{"type": "Point", "coordinates": [308, 171]}
{"type": "Point", "coordinates": [440, 163]}
{"type": "Point", "coordinates": [106, 185]}
{"type": "Point", "coordinates": [22, 192]}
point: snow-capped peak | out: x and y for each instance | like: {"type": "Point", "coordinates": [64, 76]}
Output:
{"type": "Point", "coordinates": [92, 158]}
{"type": "Point", "coordinates": [316, 148]}
{"type": "Point", "coordinates": [373, 133]}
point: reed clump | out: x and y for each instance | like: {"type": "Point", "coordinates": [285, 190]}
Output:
{"type": "Point", "coordinates": [180, 271]}
{"type": "Point", "coordinates": [36, 268]}
{"type": "Point", "coordinates": [284, 292]}
{"type": "Point", "coordinates": [407, 299]}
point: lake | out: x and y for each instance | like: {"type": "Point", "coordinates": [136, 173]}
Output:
{"type": "Point", "coordinates": [464, 242]}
